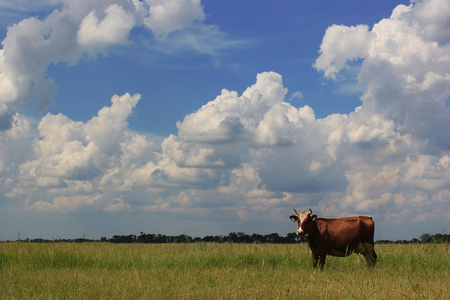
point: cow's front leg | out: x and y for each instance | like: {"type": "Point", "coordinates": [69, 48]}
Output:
{"type": "Point", "coordinates": [322, 258]}
{"type": "Point", "coordinates": [314, 259]}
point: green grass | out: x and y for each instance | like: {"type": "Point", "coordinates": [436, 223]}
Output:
{"type": "Point", "coordinates": [218, 271]}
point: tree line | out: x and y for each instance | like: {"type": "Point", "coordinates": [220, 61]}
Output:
{"type": "Point", "coordinates": [233, 237]}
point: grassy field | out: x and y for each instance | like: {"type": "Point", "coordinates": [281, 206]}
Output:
{"type": "Point", "coordinates": [218, 271]}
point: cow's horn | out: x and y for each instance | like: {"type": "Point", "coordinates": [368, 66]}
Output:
{"type": "Point", "coordinates": [310, 211]}
{"type": "Point", "coordinates": [296, 212]}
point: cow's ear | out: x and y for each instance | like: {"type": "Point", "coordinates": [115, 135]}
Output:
{"type": "Point", "coordinates": [293, 218]}
{"type": "Point", "coordinates": [314, 217]}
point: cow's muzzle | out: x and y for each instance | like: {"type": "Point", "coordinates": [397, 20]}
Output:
{"type": "Point", "coordinates": [300, 233]}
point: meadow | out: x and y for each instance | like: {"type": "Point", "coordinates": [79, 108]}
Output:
{"type": "Point", "coordinates": [218, 271]}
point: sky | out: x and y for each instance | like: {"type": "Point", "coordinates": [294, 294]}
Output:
{"type": "Point", "coordinates": [217, 116]}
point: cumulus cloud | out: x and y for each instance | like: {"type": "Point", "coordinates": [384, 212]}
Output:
{"type": "Point", "coordinates": [71, 161]}
{"type": "Point", "coordinates": [335, 53]}
{"type": "Point", "coordinates": [434, 18]}
{"type": "Point", "coordinates": [15, 145]}
{"type": "Point", "coordinates": [112, 29]}
{"type": "Point", "coordinates": [405, 78]}
{"type": "Point", "coordinates": [166, 16]}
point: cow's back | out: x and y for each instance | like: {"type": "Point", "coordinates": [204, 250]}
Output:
{"type": "Point", "coordinates": [346, 231]}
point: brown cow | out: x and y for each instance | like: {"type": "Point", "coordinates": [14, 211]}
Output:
{"type": "Point", "coordinates": [337, 237]}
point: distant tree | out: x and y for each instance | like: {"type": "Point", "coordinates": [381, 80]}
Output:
{"type": "Point", "coordinates": [131, 238]}
{"type": "Point", "coordinates": [182, 239]}
{"type": "Point", "coordinates": [244, 238]}
{"type": "Point", "coordinates": [424, 237]}
{"type": "Point", "coordinates": [258, 238]}
{"type": "Point", "coordinates": [292, 237]}
{"type": "Point", "coordinates": [438, 238]}
{"type": "Point", "coordinates": [232, 237]}
{"type": "Point", "coordinates": [273, 238]}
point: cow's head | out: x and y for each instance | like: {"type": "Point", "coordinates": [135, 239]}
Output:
{"type": "Point", "coordinates": [304, 220]}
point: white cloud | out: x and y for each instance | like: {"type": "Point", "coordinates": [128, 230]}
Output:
{"type": "Point", "coordinates": [230, 117]}
{"type": "Point", "coordinates": [403, 59]}
{"type": "Point", "coordinates": [112, 29]}
{"type": "Point", "coordinates": [70, 157]}
{"type": "Point", "coordinates": [296, 95]}
{"type": "Point", "coordinates": [434, 18]}
{"type": "Point", "coordinates": [16, 147]}
{"type": "Point", "coordinates": [204, 39]}
{"type": "Point", "coordinates": [166, 16]}
{"type": "Point", "coordinates": [340, 44]}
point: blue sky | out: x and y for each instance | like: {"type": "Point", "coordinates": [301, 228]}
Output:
{"type": "Point", "coordinates": [206, 117]}
{"type": "Point", "coordinates": [278, 36]}
{"type": "Point", "coordinates": [282, 36]}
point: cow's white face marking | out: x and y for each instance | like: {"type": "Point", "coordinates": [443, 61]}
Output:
{"type": "Point", "coordinates": [301, 217]}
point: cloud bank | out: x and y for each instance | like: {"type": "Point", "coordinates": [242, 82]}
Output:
{"type": "Point", "coordinates": [247, 156]}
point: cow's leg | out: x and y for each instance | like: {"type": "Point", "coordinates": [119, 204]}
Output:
{"type": "Point", "coordinates": [314, 259]}
{"type": "Point", "coordinates": [370, 255]}
{"type": "Point", "coordinates": [322, 258]}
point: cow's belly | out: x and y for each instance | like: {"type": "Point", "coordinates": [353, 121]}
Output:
{"type": "Point", "coordinates": [345, 251]}
{"type": "Point", "coordinates": [337, 252]}
{"type": "Point", "coordinates": [348, 250]}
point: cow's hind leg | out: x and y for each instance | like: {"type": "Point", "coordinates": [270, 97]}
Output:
{"type": "Point", "coordinates": [370, 255]}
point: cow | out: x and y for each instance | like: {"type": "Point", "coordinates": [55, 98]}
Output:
{"type": "Point", "coordinates": [337, 237]}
